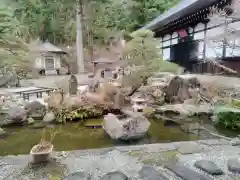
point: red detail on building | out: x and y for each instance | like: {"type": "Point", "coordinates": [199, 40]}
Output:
{"type": "Point", "coordinates": [182, 33]}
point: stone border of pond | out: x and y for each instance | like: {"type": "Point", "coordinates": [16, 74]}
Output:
{"type": "Point", "coordinates": [129, 160]}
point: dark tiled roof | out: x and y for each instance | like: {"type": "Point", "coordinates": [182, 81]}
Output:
{"type": "Point", "coordinates": [184, 7]}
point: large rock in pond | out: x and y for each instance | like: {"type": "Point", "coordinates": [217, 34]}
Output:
{"type": "Point", "coordinates": [17, 114]}
{"type": "Point", "coordinates": [130, 125]}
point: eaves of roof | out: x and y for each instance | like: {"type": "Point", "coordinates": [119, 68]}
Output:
{"type": "Point", "coordinates": [183, 8]}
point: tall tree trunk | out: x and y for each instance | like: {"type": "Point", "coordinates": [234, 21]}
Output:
{"type": "Point", "coordinates": [79, 40]}
{"type": "Point", "coordinates": [91, 49]}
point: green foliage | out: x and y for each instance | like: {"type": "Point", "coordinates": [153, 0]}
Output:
{"type": "Point", "coordinates": [143, 11]}
{"type": "Point", "coordinates": [228, 117]}
{"type": "Point", "coordinates": [141, 55]}
{"type": "Point", "coordinates": [166, 66]}
{"type": "Point", "coordinates": [55, 19]}
{"type": "Point", "coordinates": [235, 103]}
{"type": "Point", "coordinates": [99, 28]}
{"type": "Point", "coordinates": [12, 45]}
{"type": "Point", "coordinates": [81, 114]}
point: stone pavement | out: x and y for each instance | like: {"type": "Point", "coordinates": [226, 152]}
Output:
{"type": "Point", "coordinates": [146, 162]}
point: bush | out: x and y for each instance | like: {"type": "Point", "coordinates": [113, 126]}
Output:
{"type": "Point", "coordinates": [227, 117]}
{"type": "Point", "coordinates": [81, 114]}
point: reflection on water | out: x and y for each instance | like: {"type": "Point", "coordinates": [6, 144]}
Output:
{"type": "Point", "coordinates": [74, 136]}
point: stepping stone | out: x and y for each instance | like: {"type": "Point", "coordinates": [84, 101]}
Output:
{"type": "Point", "coordinates": [77, 176]}
{"type": "Point", "coordinates": [190, 148]}
{"type": "Point", "coordinates": [149, 173]}
{"type": "Point", "coordinates": [216, 142]}
{"type": "Point", "coordinates": [234, 165]}
{"type": "Point", "coordinates": [235, 142]}
{"type": "Point", "coordinates": [208, 167]}
{"type": "Point", "coordinates": [186, 173]}
{"type": "Point", "coordinates": [116, 175]}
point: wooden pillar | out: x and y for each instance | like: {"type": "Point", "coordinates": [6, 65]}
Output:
{"type": "Point", "coordinates": [94, 68]}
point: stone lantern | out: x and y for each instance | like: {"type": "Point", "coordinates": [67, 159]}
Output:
{"type": "Point", "coordinates": [138, 104]}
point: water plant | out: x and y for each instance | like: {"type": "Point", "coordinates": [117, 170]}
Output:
{"type": "Point", "coordinates": [81, 114]}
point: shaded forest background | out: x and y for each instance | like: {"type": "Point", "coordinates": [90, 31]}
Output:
{"type": "Point", "coordinates": [104, 23]}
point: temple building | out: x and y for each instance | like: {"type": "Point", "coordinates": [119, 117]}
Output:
{"type": "Point", "coordinates": [184, 30]}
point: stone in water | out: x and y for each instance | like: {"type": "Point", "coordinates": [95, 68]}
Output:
{"type": "Point", "coordinates": [234, 165]}
{"type": "Point", "coordinates": [116, 175]}
{"type": "Point", "coordinates": [189, 148]}
{"type": "Point", "coordinates": [209, 167]}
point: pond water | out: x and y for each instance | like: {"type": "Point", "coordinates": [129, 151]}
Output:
{"type": "Point", "coordinates": [75, 136]}
{"type": "Point", "coordinates": [72, 136]}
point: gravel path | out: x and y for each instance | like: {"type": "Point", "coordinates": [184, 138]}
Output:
{"type": "Point", "coordinates": [221, 81]}
{"type": "Point", "coordinates": [128, 160]}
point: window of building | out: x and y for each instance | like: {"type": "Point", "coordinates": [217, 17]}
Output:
{"type": "Point", "coordinates": [174, 35]}
{"type": "Point", "coordinates": [166, 43]}
{"type": "Point", "coordinates": [233, 41]}
{"type": "Point", "coordinates": [216, 33]}
{"type": "Point", "coordinates": [200, 52]}
{"type": "Point", "coordinates": [166, 54]}
{"type": "Point", "coordinates": [214, 42]}
{"type": "Point", "coordinates": [199, 27]}
{"type": "Point", "coordinates": [214, 49]}
{"type": "Point", "coordinates": [215, 22]}
{"type": "Point", "coordinates": [234, 26]}
{"type": "Point", "coordinates": [174, 38]}
{"type": "Point", "coordinates": [166, 37]}
{"type": "Point", "coordinates": [233, 48]}
{"type": "Point", "coordinates": [174, 41]}
{"type": "Point", "coordinates": [190, 30]}
{"type": "Point", "coordinates": [198, 35]}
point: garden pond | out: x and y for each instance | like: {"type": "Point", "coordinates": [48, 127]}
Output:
{"type": "Point", "coordinates": [73, 136]}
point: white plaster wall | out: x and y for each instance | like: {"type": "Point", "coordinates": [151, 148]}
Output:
{"type": "Point", "coordinates": [57, 61]}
